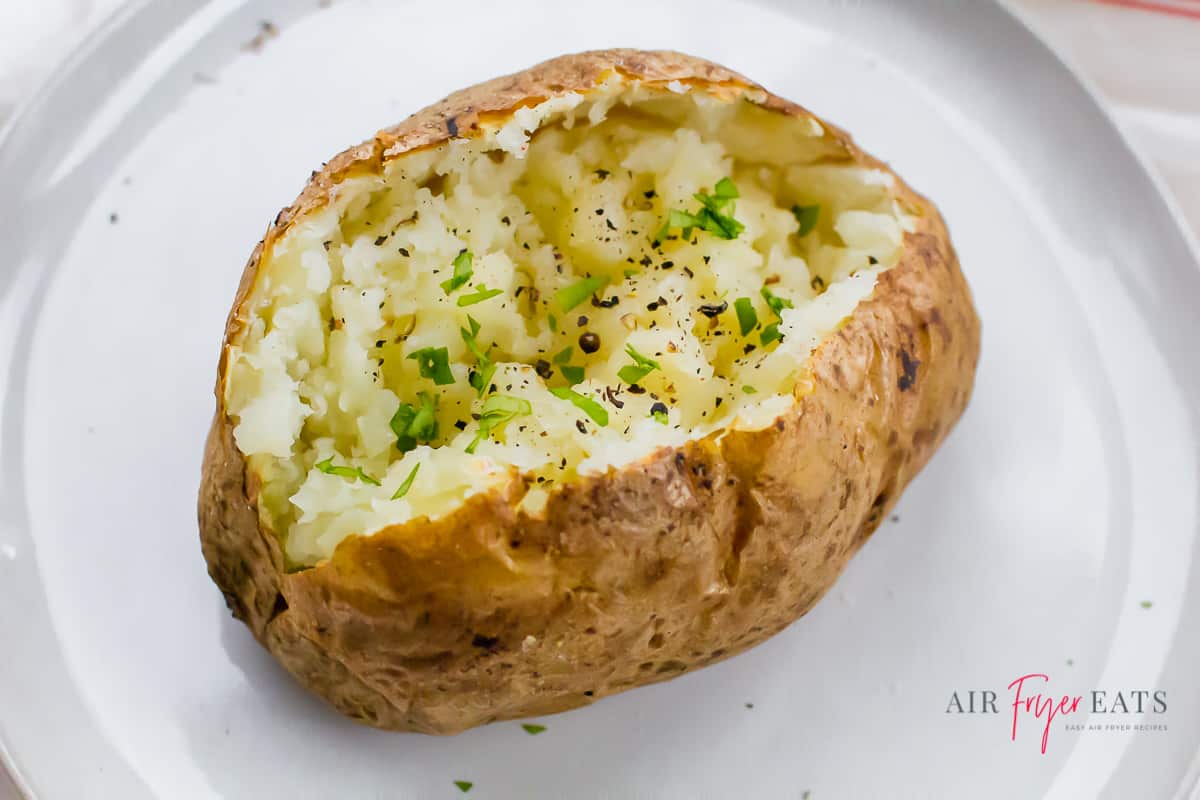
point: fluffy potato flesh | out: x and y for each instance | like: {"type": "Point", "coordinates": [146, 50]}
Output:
{"type": "Point", "coordinates": [594, 279]}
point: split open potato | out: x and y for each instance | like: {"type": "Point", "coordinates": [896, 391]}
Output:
{"type": "Point", "coordinates": [574, 381]}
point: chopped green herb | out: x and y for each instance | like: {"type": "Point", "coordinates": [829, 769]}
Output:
{"type": "Point", "coordinates": [587, 405]}
{"type": "Point", "coordinates": [629, 272]}
{"type": "Point", "coordinates": [682, 220]}
{"type": "Point", "coordinates": [533, 730]}
{"type": "Point", "coordinates": [365, 478]}
{"type": "Point", "coordinates": [481, 294]}
{"type": "Point", "coordinates": [806, 216]}
{"type": "Point", "coordinates": [462, 272]}
{"type": "Point", "coordinates": [749, 389]}
{"type": "Point", "coordinates": [505, 406]}
{"type": "Point", "coordinates": [434, 362]}
{"type": "Point", "coordinates": [770, 334]}
{"type": "Point", "coordinates": [564, 355]}
{"type": "Point", "coordinates": [1146, 604]}
{"type": "Point", "coordinates": [498, 410]}
{"type": "Point", "coordinates": [481, 377]}
{"type": "Point", "coordinates": [775, 302]}
{"type": "Point", "coordinates": [413, 425]}
{"type": "Point", "coordinates": [723, 226]}
{"type": "Point", "coordinates": [725, 190]}
{"type": "Point", "coordinates": [553, 322]}
{"type": "Point", "coordinates": [424, 423]}
{"type": "Point", "coordinates": [660, 417]}
{"type": "Point", "coordinates": [408, 482]}
{"type": "Point", "coordinates": [328, 468]}
{"type": "Point", "coordinates": [400, 423]}
{"type": "Point", "coordinates": [573, 375]}
{"type": "Point", "coordinates": [570, 296]}
{"type": "Point", "coordinates": [464, 786]}
{"type": "Point", "coordinates": [747, 316]}
{"type": "Point", "coordinates": [469, 337]}
{"type": "Point", "coordinates": [642, 366]}
{"type": "Point", "coordinates": [715, 215]}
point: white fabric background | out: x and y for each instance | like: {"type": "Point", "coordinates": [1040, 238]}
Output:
{"type": "Point", "coordinates": [1145, 64]}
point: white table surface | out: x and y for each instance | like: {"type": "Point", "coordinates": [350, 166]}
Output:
{"type": "Point", "coordinates": [1144, 64]}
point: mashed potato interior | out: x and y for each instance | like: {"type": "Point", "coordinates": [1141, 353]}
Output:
{"type": "Point", "coordinates": [595, 279]}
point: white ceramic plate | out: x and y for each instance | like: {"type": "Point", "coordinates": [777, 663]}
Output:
{"type": "Point", "coordinates": [135, 186]}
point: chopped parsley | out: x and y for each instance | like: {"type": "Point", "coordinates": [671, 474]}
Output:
{"type": "Point", "coordinates": [434, 362]}
{"type": "Point", "coordinates": [748, 389]}
{"type": "Point", "coordinates": [775, 302]}
{"type": "Point", "coordinates": [553, 322]}
{"type": "Point", "coordinates": [464, 786]}
{"type": "Point", "coordinates": [564, 355]}
{"type": "Point", "coordinates": [462, 272]}
{"type": "Point", "coordinates": [770, 334]}
{"type": "Point", "coordinates": [806, 216]}
{"type": "Point", "coordinates": [408, 482]}
{"type": "Point", "coordinates": [642, 366]}
{"type": "Point", "coordinates": [747, 316]}
{"type": "Point", "coordinates": [413, 425]}
{"type": "Point", "coordinates": [570, 296]}
{"type": "Point", "coordinates": [587, 405]}
{"type": "Point", "coordinates": [658, 412]}
{"type": "Point", "coordinates": [533, 730]}
{"type": "Point", "coordinates": [498, 410]}
{"type": "Point", "coordinates": [480, 294]}
{"type": "Point", "coordinates": [328, 468]}
{"type": "Point", "coordinates": [1147, 604]}
{"type": "Point", "coordinates": [714, 216]}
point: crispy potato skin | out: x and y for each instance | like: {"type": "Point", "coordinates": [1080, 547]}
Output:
{"type": "Point", "coordinates": [627, 578]}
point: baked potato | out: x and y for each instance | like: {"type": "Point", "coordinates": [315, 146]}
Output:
{"type": "Point", "coordinates": [574, 381]}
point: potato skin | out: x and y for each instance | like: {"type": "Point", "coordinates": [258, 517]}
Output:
{"type": "Point", "coordinates": [631, 577]}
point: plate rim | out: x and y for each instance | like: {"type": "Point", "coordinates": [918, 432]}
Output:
{"type": "Point", "coordinates": [93, 44]}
